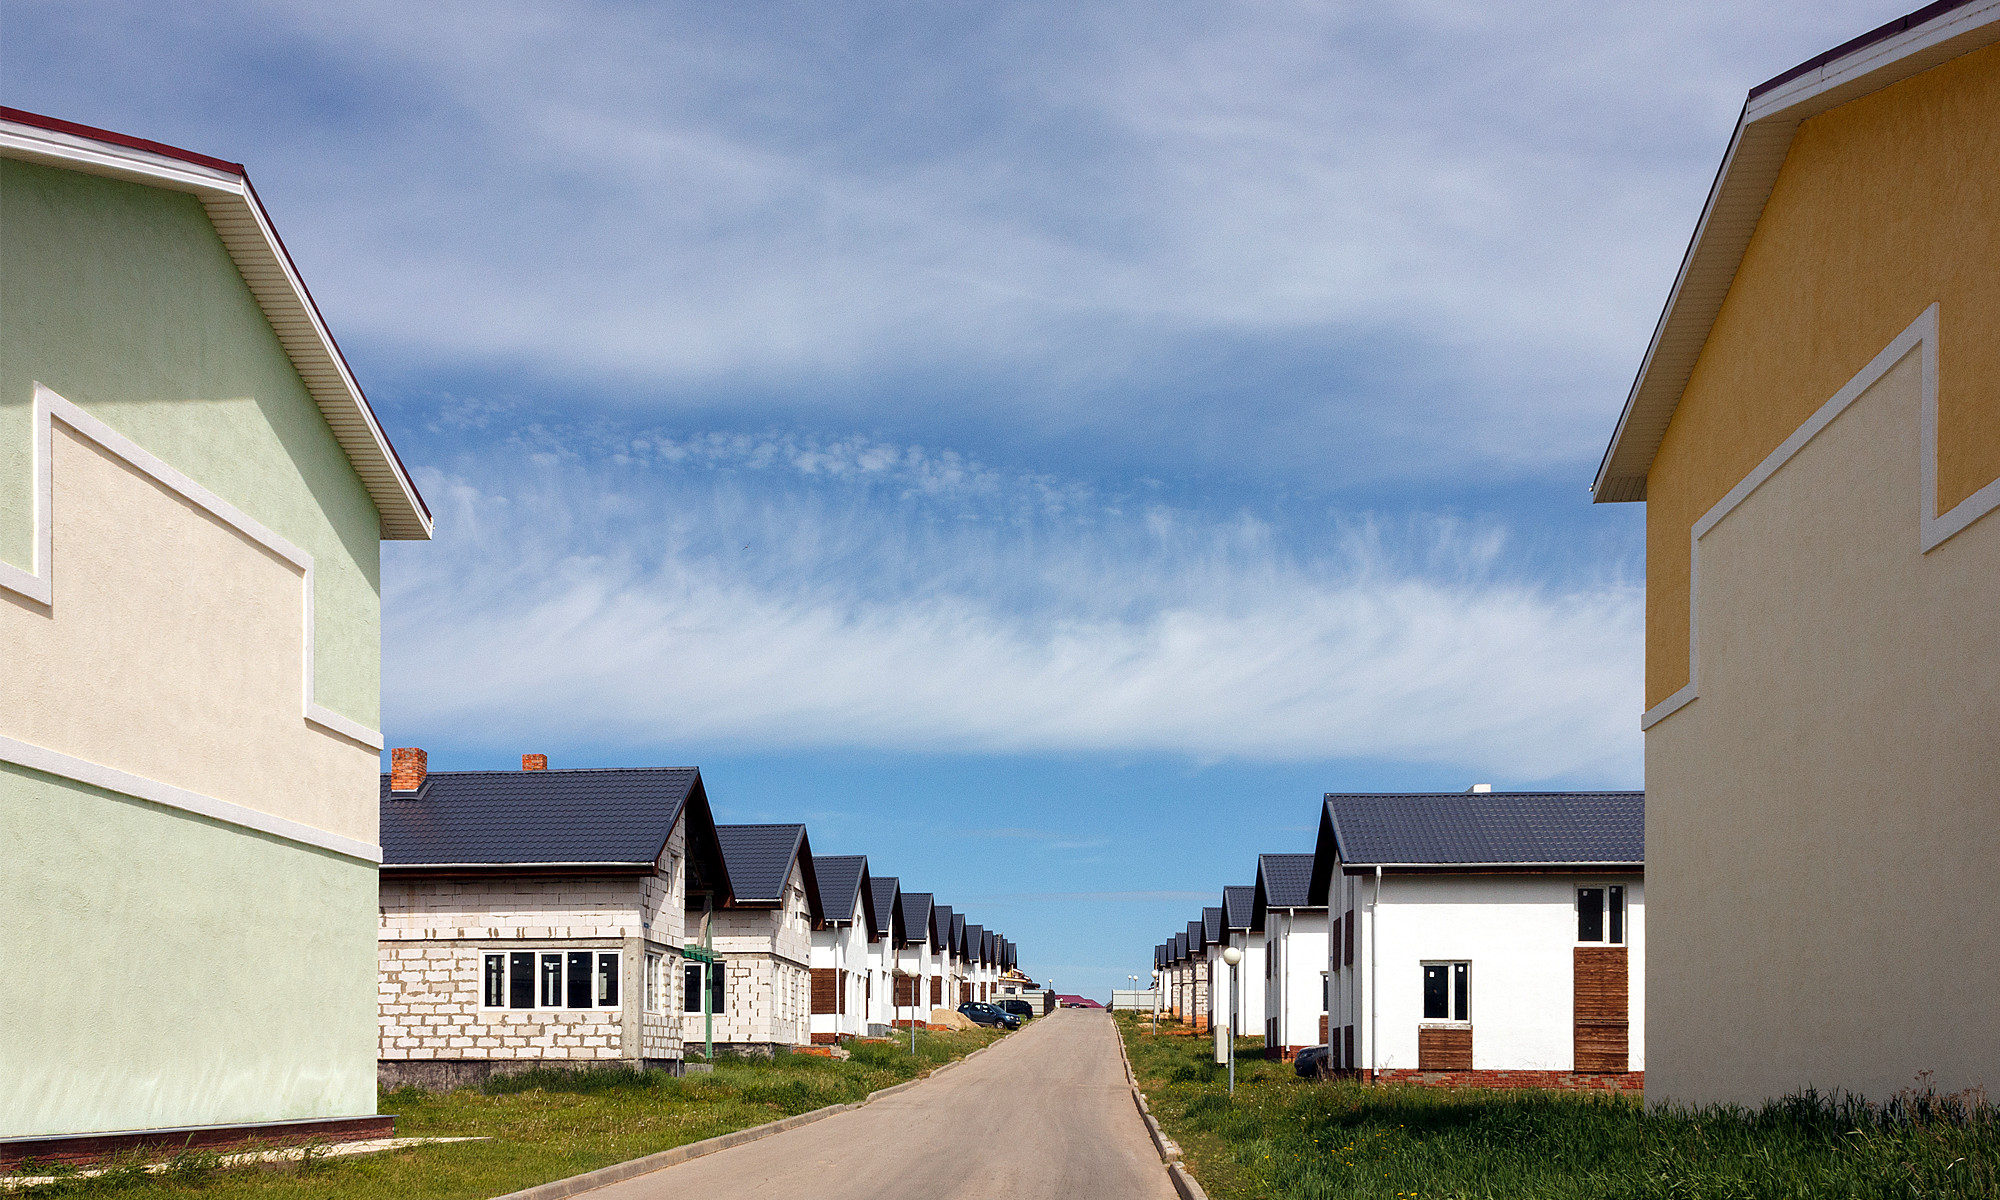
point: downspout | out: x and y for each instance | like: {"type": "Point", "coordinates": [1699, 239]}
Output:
{"type": "Point", "coordinates": [1374, 976]}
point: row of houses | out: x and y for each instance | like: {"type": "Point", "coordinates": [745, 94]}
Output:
{"type": "Point", "coordinates": [1484, 937]}
{"type": "Point", "coordinates": [1814, 430]}
{"type": "Point", "coordinates": [224, 921]}
{"type": "Point", "coordinates": [602, 915]}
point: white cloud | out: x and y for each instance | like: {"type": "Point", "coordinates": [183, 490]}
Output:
{"type": "Point", "coordinates": [627, 603]}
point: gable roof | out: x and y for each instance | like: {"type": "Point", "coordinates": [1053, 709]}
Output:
{"type": "Point", "coordinates": [1211, 926]}
{"type": "Point", "coordinates": [496, 820]}
{"type": "Point", "coordinates": [975, 943]}
{"type": "Point", "coordinates": [941, 915]}
{"type": "Point", "coordinates": [888, 906]}
{"type": "Point", "coordinates": [760, 859]}
{"type": "Point", "coordinates": [916, 908]}
{"type": "Point", "coordinates": [1479, 829]}
{"type": "Point", "coordinates": [253, 244]}
{"type": "Point", "coordinates": [1771, 115]}
{"type": "Point", "coordinates": [1180, 945]}
{"type": "Point", "coordinates": [1238, 902]}
{"type": "Point", "coordinates": [843, 888]}
{"type": "Point", "coordinates": [1283, 881]}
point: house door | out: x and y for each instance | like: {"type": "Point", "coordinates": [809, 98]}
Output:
{"type": "Point", "coordinates": [1603, 1009]}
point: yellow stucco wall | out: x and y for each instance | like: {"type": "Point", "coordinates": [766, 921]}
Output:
{"type": "Point", "coordinates": [1821, 823]}
{"type": "Point", "coordinates": [1885, 205]}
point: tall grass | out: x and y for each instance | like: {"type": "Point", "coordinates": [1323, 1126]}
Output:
{"type": "Point", "coordinates": [1288, 1139]}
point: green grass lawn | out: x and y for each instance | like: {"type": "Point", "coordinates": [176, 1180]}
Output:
{"type": "Point", "coordinates": [1284, 1138]}
{"type": "Point", "coordinates": [549, 1125]}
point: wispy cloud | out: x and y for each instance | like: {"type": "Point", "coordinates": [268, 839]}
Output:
{"type": "Point", "coordinates": [605, 595]}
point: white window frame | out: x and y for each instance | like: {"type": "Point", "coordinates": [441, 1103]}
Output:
{"type": "Point", "coordinates": [561, 955]}
{"type": "Point", "coordinates": [1625, 918]}
{"type": "Point", "coordinates": [651, 991]}
{"type": "Point", "coordinates": [1451, 992]}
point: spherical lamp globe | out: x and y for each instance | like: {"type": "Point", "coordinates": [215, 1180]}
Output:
{"type": "Point", "coordinates": [1232, 956]}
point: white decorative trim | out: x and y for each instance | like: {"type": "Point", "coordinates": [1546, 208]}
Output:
{"type": "Point", "coordinates": [38, 583]}
{"type": "Point", "coordinates": [54, 762]}
{"type": "Point", "coordinates": [1932, 529]}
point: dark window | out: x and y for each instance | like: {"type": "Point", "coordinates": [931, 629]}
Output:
{"type": "Point", "coordinates": [1590, 914]}
{"type": "Point", "coordinates": [1437, 992]}
{"type": "Point", "coordinates": [1618, 915]}
{"type": "Point", "coordinates": [691, 989]}
{"type": "Point", "coordinates": [521, 980]}
{"type": "Point", "coordinates": [496, 981]}
{"type": "Point", "coordinates": [1461, 991]}
{"type": "Point", "coordinates": [607, 980]}
{"type": "Point", "coordinates": [717, 975]}
{"type": "Point", "coordinates": [551, 981]}
{"type": "Point", "coordinates": [579, 979]}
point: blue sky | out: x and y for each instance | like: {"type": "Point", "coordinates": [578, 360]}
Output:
{"type": "Point", "coordinates": [1042, 447]}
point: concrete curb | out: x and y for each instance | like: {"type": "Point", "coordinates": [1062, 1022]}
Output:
{"type": "Point", "coordinates": [590, 1181]}
{"type": "Point", "coordinates": [1170, 1151]}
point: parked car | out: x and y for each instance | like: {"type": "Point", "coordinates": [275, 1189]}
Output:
{"type": "Point", "coordinates": [987, 1014]}
{"type": "Point", "coordinates": [1311, 1062]}
{"type": "Point", "coordinates": [1020, 1008]}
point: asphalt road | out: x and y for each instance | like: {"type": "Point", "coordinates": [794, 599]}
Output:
{"type": "Point", "coordinates": [1045, 1113]}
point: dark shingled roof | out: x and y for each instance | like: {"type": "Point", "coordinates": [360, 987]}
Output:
{"type": "Point", "coordinates": [1237, 903]}
{"type": "Point", "coordinates": [1211, 926]}
{"type": "Point", "coordinates": [1196, 942]}
{"type": "Point", "coordinates": [888, 905]}
{"type": "Point", "coordinates": [760, 858]}
{"type": "Point", "coordinates": [1160, 956]}
{"type": "Point", "coordinates": [975, 943]}
{"type": "Point", "coordinates": [474, 818]}
{"type": "Point", "coordinates": [1180, 946]}
{"type": "Point", "coordinates": [840, 891]}
{"type": "Point", "coordinates": [916, 908]}
{"type": "Point", "coordinates": [959, 938]}
{"type": "Point", "coordinates": [941, 915]}
{"type": "Point", "coordinates": [1284, 880]}
{"type": "Point", "coordinates": [1489, 827]}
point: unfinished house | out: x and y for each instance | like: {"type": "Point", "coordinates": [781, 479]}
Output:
{"type": "Point", "coordinates": [760, 986]}
{"type": "Point", "coordinates": [535, 917]}
{"type": "Point", "coordinates": [840, 941]}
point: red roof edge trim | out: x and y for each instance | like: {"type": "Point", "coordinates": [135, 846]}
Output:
{"type": "Point", "coordinates": [1901, 24]}
{"type": "Point", "coordinates": [58, 125]}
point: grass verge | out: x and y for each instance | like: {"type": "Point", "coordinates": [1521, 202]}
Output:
{"type": "Point", "coordinates": [1283, 1138]}
{"type": "Point", "coordinates": [548, 1124]}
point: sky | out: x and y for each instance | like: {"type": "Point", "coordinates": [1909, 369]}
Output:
{"type": "Point", "coordinates": [1042, 447]}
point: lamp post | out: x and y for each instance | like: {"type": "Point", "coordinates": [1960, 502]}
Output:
{"type": "Point", "coordinates": [1232, 956]}
{"type": "Point", "coordinates": [1156, 1001]}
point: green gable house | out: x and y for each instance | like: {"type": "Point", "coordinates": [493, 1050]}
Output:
{"type": "Point", "coordinates": [193, 496]}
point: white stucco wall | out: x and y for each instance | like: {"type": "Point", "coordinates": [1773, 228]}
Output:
{"type": "Point", "coordinates": [844, 947]}
{"type": "Point", "coordinates": [1519, 934]}
{"type": "Point", "coordinates": [1295, 940]}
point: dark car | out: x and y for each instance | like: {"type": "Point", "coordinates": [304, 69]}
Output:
{"type": "Point", "coordinates": [1311, 1062]}
{"type": "Point", "coordinates": [986, 1014]}
{"type": "Point", "coordinates": [1020, 1008]}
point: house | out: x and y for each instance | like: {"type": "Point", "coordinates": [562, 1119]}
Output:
{"type": "Point", "coordinates": [979, 946]}
{"type": "Point", "coordinates": [848, 924]}
{"type": "Point", "coordinates": [1180, 977]}
{"type": "Point", "coordinates": [535, 917]}
{"type": "Point", "coordinates": [193, 496]}
{"type": "Point", "coordinates": [1815, 433]}
{"type": "Point", "coordinates": [1295, 939]}
{"type": "Point", "coordinates": [945, 992]}
{"type": "Point", "coordinates": [1215, 989]}
{"type": "Point", "coordinates": [1238, 913]}
{"type": "Point", "coordinates": [1488, 938]}
{"type": "Point", "coordinates": [879, 995]}
{"type": "Point", "coordinates": [915, 959]}
{"type": "Point", "coordinates": [762, 940]}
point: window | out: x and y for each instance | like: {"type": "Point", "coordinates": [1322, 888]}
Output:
{"type": "Point", "coordinates": [1448, 991]}
{"type": "Point", "coordinates": [691, 993]}
{"type": "Point", "coordinates": [1600, 914]}
{"type": "Point", "coordinates": [652, 992]}
{"type": "Point", "coordinates": [550, 979]}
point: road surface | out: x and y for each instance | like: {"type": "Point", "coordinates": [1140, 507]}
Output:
{"type": "Point", "coordinates": [1045, 1113]}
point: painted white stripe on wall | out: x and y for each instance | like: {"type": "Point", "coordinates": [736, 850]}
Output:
{"type": "Point", "coordinates": [65, 766]}
{"type": "Point", "coordinates": [38, 583]}
{"type": "Point", "coordinates": [1933, 528]}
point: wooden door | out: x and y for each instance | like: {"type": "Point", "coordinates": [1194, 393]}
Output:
{"type": "Point", "coordinates": [1603, 1009]}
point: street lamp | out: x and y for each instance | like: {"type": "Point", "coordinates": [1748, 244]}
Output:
{"type": "Point", "coordinates": [1232, 956]}
{"type": "Point", "coordinates": [1156, 1001]}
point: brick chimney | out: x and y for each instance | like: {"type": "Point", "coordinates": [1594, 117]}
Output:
{"type": "Point", "coordinates": [407, 766]}
{"type": "Point", "coordinates": [534, 762]}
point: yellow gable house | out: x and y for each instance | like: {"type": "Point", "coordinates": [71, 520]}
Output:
{"type": "Point", "coordinates": [1815, 431]}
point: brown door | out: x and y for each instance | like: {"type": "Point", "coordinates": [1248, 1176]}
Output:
{"type": "Point", "coordinates": [1603, 1009]}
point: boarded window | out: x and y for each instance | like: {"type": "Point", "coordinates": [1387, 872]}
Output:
{"type": "Point", "coordinates": [1603, 1018]}
{"type": "Point", "coordinates": [1444, 1049]}
{"type": "Point", "coordinates": [843, 993]}
{"type": "Point", "coordinates": [1334, 940]}
{"type": "Point", "coordinates": [1347, 1050]}
{"type": "Point", "coordinates": [937, 991]}
{"type": "Point", "coordinates": [826, 985]}
{"type": "Point", "coordinates": [1347, 957]}
{"type": "Point", "coordinates": [1322, 1029]}
{"type": "Point", "coordinates": [906, 991]}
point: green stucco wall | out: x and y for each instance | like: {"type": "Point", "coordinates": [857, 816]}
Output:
{"type": "Point", "coordinates": [122, 299]}
{"type": "Point", "coordinates": [210, 974]}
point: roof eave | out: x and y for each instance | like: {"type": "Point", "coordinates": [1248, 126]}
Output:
{"type": "Point", "coordinates": [1735, 204]}
{"type": "Point", "coordinates": [253, 244]}
{"type": "Point", "coordinates": [1363, 868]}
